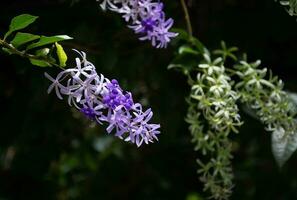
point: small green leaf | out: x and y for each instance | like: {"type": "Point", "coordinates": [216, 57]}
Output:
{"type": "Point", "coordinates": [42, 52]}
{"type": "Point", "coordinates": [20, 22]}
{"type": "Point", "coordinates": [23, 38]}
{"type": "Point", "coordinates": [172, 66]}
{"type": "Point", "coordinates": [198, 45]}
{"type": "Point", "coordinates": [182, 34]}
{"type": "Point", "coordinates": [40, 63]}
{"type": "Point", "coordinates": [61, 55]}
{"type": "Point", "coordinates": [48, 40]}
{"type": "Point", "coordinates": [188, 50]}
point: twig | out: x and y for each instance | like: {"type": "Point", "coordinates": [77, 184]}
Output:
{"type": "Point", "coordinates": [187, 17]}
{"type": "Point", "coordinates": [26, 55]}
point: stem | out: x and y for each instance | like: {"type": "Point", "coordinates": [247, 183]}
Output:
{"type": "Point", "coordinates": [231, 71]}
{"type": "Point", "coordinates": [26, 55]}
{"type": "Point", "coordinates": [187, 17]}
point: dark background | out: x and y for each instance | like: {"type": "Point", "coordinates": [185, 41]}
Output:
{"type": "Point", "coordinates": [49, 151]}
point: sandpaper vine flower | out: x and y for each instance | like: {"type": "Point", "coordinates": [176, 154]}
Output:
{"type": "Point", "coordinates": [104, 101]}
{"type": "Point", "coordinates": [146, 18]}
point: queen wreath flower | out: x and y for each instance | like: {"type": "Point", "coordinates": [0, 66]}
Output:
{"type": "Point", "coordinates": [146, 18]}
{"type": "Point", "coordinates": [104, 101]}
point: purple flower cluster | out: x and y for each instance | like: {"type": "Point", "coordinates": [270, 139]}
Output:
{"type": "Point", "coordinates": [104, 101]}
{"type": "Point", "coordinates": [115, 96]}
{"type": "Point", "coordinates": [146, 18]}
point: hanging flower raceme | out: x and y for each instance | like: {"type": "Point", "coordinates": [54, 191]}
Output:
{"type": "Point", "coordinates": [146, 18]}
{"type": "Point", "coordinates": [104, 101]}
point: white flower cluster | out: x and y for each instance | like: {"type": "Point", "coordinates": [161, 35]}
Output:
{"type": "Point", "coordinates": [213, 111]}
{"type": "Point", "coordinates": [272, 106]}
{"type": "Point", "coordinates": [216, 98]}
{"type": "Point", "coordinates": [267, 97]}
{"type": "Point", "coordinates": [212, 115]}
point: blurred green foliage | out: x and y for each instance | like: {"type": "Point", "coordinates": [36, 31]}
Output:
{"type": "Point", "coordinates": [48, 151]}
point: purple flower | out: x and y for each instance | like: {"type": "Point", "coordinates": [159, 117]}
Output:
{"type": "Point", "coordinates": [104, 101]}
{"type": "Point", "coordinates": [115, 97]}
{"type": "Point", "coordinates": [141, 130]}
{"type": "Point", "coordinates": [88, 112]}
{"type": "Point", "coordinates": [148, 25]}
{"type": "Point", "coordinates": [146, 18]}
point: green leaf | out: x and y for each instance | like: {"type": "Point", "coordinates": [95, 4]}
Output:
{"type": "Point", "coordinates": [44, 40]}
{"type": "Point", "coordinates": [182, 34]}
{"type": "Point", "coordinates": [20, 22]}
{"type": "Point", "coordinates": [61, 55]}
{"type": "Point", "coordinates": [42, 52]}
{"type": "Point", "coordinates": [23, 38]}
{"type": "Point", "coordinates": [40, 63]}
{"type": "Point", "coordinates": [184, 62]}
{"type": "Point", "coordinates": [283, 146]}
{"type": "Point", "coordinates": [198, 45]}
{"type": "Point", "coordinates": [187, 50]}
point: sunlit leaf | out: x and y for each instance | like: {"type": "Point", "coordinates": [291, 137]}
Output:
{"type": "Point", "coordinates": [61, 55]}
{"type": "Point", "coordinates": [20, 22]}
{"type": "Point", "coordinates": [44, 40]}
{"type": "Point", "coordinates": [187, 50]}
{"type": "Point", "coordinates": [40, 63]}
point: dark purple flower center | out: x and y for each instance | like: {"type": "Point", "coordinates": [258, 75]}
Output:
{"type": "Point", "coordinates": [88, 112]}
{"type": "Point", "coordinates": [115, 96]}
{"type": "Point", "coordinates": [148, 24]}
{"type": "Point", "coordinates": [114, 100]}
